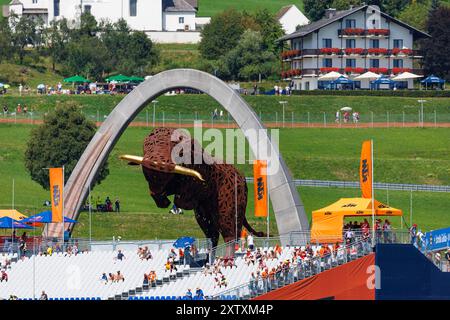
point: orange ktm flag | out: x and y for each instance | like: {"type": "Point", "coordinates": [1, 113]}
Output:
{"type": "Point", "coordinates": [365, 170]}
{"type": "Point", "coordinates": [260, 187]}
{"type": "Point", "coordinates": [56, 193]}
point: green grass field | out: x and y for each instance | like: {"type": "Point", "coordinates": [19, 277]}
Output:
{"type": "Point", "coordinates": [267, 107]}
{"type": "Point", "coordinates": [401, 155]}
{"type": "Point", "coordinates": [208, 8]}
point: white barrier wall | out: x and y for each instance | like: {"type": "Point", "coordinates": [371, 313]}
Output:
{"type": "Point", "coordinates": [174, 36]}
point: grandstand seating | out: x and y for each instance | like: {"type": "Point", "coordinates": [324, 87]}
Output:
{"type": "Point", "coordinates": [79, 276]}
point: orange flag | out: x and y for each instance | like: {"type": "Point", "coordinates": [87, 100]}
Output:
{"type": "Point", "coordinates": [56, 193]}
{"type": "Point", "coordinates": [365, 169]}
{"type": "Point", "coordinates": [260, 187]}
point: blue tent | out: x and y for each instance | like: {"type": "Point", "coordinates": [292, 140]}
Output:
{"type": "Point", "coordinates": [9, 223]}
{"type": "Point", "coordinates": [183, 242]}
{"type": "Point", "coordinates": [375, 85]}
{"type": "Point", "coordinates": [342, 80]}
{"type": "Point", "coordinates": [433, 80]}
{"type": "Point", "coordinates": [44, 217]}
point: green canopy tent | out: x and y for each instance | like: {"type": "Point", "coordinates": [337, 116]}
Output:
{"type": "Point", "coordinates": [76, 79]}
{"type": "Point", "coordinates": [135, 79]}
{"type": "Point", "coordinates": [119, 78]}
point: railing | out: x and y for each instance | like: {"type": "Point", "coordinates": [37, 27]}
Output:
{"type": "Point", "coordinates": [311, 266]}
{"type": "Point", "coordinates": [271, 119]}
{"type": "Point", "coordinates": [377, 185]}
{"type": "Point", "coordinates": [363, 32]}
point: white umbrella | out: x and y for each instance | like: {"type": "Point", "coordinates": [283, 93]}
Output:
{"type": "Point", "coordinates": [406, 76]}
{"type": "Point", "coordinates": [346, 109]}
{"type": "Point", "coordinates": [367, 76]}
{"type": "Point", "coordinates": [41, 86]}
{"type": "Point", "coordinates": [333, 75]}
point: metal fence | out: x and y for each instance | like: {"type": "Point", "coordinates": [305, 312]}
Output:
{"type": "Point", "coordinates": [377, 185]}
{"type": "Point", "coordinates": [274, 119]}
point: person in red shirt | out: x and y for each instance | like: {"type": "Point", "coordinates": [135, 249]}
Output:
{"type": "Point", "coordinates": [4, 276]}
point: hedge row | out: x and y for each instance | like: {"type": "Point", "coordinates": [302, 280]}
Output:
{"type": "Point", "coordinates": [379, 93]}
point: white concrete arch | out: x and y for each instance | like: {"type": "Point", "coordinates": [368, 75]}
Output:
{"type": "Point", "coordinates": [286, 203]}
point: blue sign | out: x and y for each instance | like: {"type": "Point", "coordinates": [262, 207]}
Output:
{"type": "Point", "coordinates": [437, 239]}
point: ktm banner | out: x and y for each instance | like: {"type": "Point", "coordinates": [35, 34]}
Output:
{"type": "Point", "coordinates": [260, 187]}
{"type": "Point", "coordinates": [56, 193]}
{"type": "Point", "coordinates": [365, 169]}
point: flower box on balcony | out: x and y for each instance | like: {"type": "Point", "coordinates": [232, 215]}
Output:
{"type": "Point", "coordinates": [406, 52]}
{"type": "Point", "coordinates": [378, 32]}
{"type": "Point", "coordinates": [377, 51]}
{"type": "Point", "coordinates": [349, 51]}
{"type": "Point", "coordinates": [379, 70]}
{"type": "Point", "coordinates": [330, 50]}
{"type": "Point", "coordinates": [400, 70]}
{"type": "Point", "coordinates": [290, 53]}
{"type": "Point", "coordinates": [354, 70]}
{"type": "Point", "coordinates": [353, 31]}
{"type": "Point", "coordinates": [326, 70]}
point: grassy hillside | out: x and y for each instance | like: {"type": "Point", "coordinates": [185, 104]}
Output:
{"type": "Point", "coordinates": [208, 8]}
{"type": "Point", "coordinates": [401, 155]}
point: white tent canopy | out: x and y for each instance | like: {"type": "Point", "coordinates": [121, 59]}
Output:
{"type": "Point", "coordinates": [333, 75]}
{"type": "Point", "coordinates": [367, 76]}
{"type": "Point", "coordinates": [406, 76]}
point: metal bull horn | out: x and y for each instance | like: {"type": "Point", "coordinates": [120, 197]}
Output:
{"type": "Point", "coordinates": [136, 160]}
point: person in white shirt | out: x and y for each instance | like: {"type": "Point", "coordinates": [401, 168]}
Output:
{"type": "Point", "coordinates": [250, 242]}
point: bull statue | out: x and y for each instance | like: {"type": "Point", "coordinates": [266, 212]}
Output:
{"type": "Point", "coordinates": [216, 192]}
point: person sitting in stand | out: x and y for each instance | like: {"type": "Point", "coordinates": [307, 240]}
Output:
{"type": "Point", "coordinates": [152, 277]}
{"type": "Point", "coordinates": [4, 276]}
{"type": "Point", "coordinates": [181, 256]}
{"type": "Point", "coordinates": [145, 282]}
{"type": "Point", "coordinates": [104, 278]}
{"type": "Point", "coordinates": [188, 294]}
{"type": "Point", "coordinates": [119, 277]}
{"type": "Point", "coordinates": [278, 250]}
{"type": "Point", "coordinates": [43, 296]}
{"type": "Point", "coordinates": [199, 295]}
{"type": "Point", "coordinates": [111, 277]}
{"type": "Point", "coordinates": [120, 256]}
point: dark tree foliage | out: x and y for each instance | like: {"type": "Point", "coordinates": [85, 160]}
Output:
{"type": "Point", "coordinates": [60, 141]}
{"type": "Point", "coordinates": [129, 52]}
{"type": "Point", "coordinates": [221, 34]}
{"type": "Point", "coordinates": [315, 10]}
{"type": "Point", "coordinates": [436, 57]}
{"type": "Point", "coordinates": [6, 50]}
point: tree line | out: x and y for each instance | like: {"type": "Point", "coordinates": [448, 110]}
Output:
{"type": "Point", "coordinates": [87, 47]}
{"type": "Point", "coordinates": [242, 46]}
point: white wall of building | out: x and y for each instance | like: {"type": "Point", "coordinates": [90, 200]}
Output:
{"type": "Point", "coordinates": [171, 21]}
{"type": "Point", "coordinates": [292, 18]}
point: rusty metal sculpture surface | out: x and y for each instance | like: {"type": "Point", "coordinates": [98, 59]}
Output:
{"type": "Point", "coordinates": [216, 192]}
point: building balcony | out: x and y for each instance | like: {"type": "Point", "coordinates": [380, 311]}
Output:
{"type": "Point", "coordinates": [330, 51]}
{"type": "Point", "coordinates": [289, 74]}
{"type": "Point", "coordinates": [290, 54]}
{"type": "Point", "coordinates": [359, 32]}
{"type": "Point", "coordinates": [375, 52]}
{"type": "Point", "coordinates": [354, 51]}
